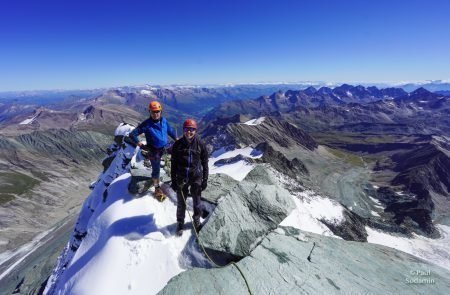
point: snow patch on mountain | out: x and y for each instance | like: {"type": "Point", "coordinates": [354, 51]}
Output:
{"type": "Point", "coordinates": [374, 213]}
{"type": "Point", "coordinates": [436, 251]}
{"type": "Point", "coordinates": [256, 121]}
{"type": "Point", "coordinates": [375, 201]}
{"type": "Point", "coordinates": [237, 170]}
{"type": "Point", "coordinates": [27, 121]}
{"type": "Point", "coordinates": [312, 208]}
{"type": "Point", "coordinates": [82, 116]}
{"type": "Point", "coordinates": [222, 153]}
{"type": "Point", "coordinates": [146, 92]}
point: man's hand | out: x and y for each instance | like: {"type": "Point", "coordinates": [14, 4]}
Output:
{"type": "Point", "coordinates": [204, 184]}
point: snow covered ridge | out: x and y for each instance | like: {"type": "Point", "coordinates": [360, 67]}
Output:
{"type": "Point", "coordinates": [137, 232]}
{"type": "Point", "coordinates": [129, 247]}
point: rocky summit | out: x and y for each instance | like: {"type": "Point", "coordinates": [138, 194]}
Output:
{"type": "Point", "coordinates": [289, 261]}
{"type": "Point", "coordinates": [245, 215]}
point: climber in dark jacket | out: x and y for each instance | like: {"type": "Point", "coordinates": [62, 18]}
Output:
{"type": "Point", "coordinates": [189, 171]}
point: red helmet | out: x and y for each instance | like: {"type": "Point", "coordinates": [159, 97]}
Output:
{"type": "Point", "coordinates": [190, 123]}
{"type": "Point", "coordinates": [154, 106]}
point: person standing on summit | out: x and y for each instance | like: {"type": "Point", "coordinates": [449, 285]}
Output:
{"type": "Point", "coordinates": [156, 128]}
{"type": "Point", "coordinates": [189, 172]}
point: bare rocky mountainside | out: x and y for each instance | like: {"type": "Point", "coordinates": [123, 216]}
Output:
{"type": "Point", "coordinates": [381, 156]}
{"type": "Point", "coordinates": [397, 141]}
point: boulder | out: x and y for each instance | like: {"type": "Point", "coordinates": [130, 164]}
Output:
{"type": "Point", "coordinates": [289, 261]}
{"type": "Point", "coordinates": [261, 174]}
{"type": "Point", "coordinates": [244, 216]}
{"type": "Point", "coordinates": [219, 185]}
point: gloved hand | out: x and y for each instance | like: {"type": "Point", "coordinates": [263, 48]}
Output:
{"type": "Point", "coordinates": [145, 150]}
{"type": "Point", "coordinates": [174, 185]}
{"type": "Point", "coordinates": [204, 184]}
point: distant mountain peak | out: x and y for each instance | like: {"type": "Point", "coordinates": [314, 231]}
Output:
{"type": "Point", "coordinates": [345, 87]}
{"type": "Point", "coordinates": [310, 90]}
{"type": "Point", "coordinates": [325, 90]}
{"type": "Point", "coordinates": [420, 91]}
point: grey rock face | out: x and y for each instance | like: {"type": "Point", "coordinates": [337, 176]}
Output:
{"type": "Point", "coordinates": [244, 216]}
{"type": "Point", "coordinates": [139, 184]}
{"type": "Point", "coordinates": [260, 174]}
{"type": "Point", "coordinates": [277, 131]}
{"type": "Point", "coordinates": [141, 175]}
{"type": "Point", "coordinates": [351, 229]}
{"type": "Point", "coordinates": [280, 265]}
{"type": "Point", "coordinates": [219, 185]}
{"type": "Point", "coordinates": [294, 168]}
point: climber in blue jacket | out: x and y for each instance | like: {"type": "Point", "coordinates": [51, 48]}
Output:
{"type": "Point", "coordinates": [156, 128]}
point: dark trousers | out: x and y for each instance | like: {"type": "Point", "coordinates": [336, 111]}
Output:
{"type": "Point", "coordinates": [196, 192]}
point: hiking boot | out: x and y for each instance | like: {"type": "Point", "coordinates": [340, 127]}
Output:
{"type": "Point", "coordinates": [158, 194]}
{"type": "Point", "coordinates": [179, 230]}
{"type": "Point", "coordinates": [197, 225]}
{"type": "Point", "coordinates": [205, 214]}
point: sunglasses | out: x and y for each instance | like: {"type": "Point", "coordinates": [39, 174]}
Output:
{"type": "Point", "coordinates": [189, 129]}
{"type": "Point", "coordinates": [156, 112]}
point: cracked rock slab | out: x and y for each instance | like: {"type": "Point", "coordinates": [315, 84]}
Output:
{"type": "Point", "coordinates": [279, 265]}
{"type": "Point", "coordinates": [244, 216]}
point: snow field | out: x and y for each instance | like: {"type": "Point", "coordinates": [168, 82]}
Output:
{"type": "Point", "coordinates": [129, 247]}
{"type": "Point", "coordinates": [256, 121]}
{"type": "Point", "coordinates": [237, 170]}
{"type": "Point", "coordinates": [310, 209]}
{"type": "Point", "coordinates": [436, 251]}
{"type": "Point", "coordinates": [27, 121]}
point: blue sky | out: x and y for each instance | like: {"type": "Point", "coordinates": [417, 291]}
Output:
{"type": "Point", "coordinates": [87, 44]}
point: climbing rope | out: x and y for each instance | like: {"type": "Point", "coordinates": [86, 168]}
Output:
{"type": "Point", "coordinates": [206, 254]}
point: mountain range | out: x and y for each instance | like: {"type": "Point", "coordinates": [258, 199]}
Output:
{"type": "Point", "coordinates": [382, 155]}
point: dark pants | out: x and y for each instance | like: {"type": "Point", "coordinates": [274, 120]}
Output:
{"type": "Point", "coordinates": [155, 155]}
{"type": "Point", "coordinates": [196, 192]}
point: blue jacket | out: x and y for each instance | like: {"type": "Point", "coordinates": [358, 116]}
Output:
{"type": "Point", "coordinates": [155, 132]}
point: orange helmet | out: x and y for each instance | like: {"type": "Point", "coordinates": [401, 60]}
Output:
{"type": "Point", "coordinates": [154, 106]}
{"type": "Point", "coordinates": [190, 123]}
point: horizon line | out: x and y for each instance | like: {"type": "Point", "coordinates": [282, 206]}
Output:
{"type": "Point", "coordinates": [218, 85]}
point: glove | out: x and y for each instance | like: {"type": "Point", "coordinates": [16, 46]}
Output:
{"type": "Point", "coordinates": [174, 185]}
{"type": "Point", "coordinates": [145, 150]}
{"type": "Point", "coordinates": [204, 184]}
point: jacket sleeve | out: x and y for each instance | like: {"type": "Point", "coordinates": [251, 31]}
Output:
{"type": "Point", "coordinates": [171, 132]}
{"type": "Point", "coordinates": [204, 159]}
{"type": "Point", "coordinates": [174, 162]}
{"type": "Point", "coordinates": [134, 134]}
